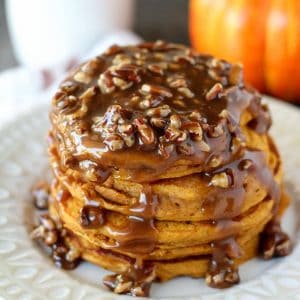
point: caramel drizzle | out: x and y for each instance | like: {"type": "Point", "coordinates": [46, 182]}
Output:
{"type": "Point", "coordinates": [139, 235]}
{"type": "Point", "coordinates": [227, 203]}
{"type": "Point", "coordinates": [226, 249]}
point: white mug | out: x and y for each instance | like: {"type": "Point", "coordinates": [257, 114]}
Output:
{"type": "Point", "coordinates": [45, 33]}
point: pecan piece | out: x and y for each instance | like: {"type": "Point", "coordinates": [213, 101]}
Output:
{"type": "Point", "coordinates": [173, 134]}
{"type": "Point", "coordinates": [165, 149]}
{"type": "Point", "coordinates": [186, 92]}
{"type": "Point", "coordinates": [274, 242]}
{"type": "Point", "coordinates": [114, 142]}
{"type": "Point", "coordinates": [221, 180]}
{"type": "Point", "coordinates": [91, 67]}
{"type": "Point", "coordinates": [83, 77]}
{"type": "Point", "coordinates": [127, 72]}
{"type": "Point", "coordinates": [105, 83]}
{"type": "Point", "coordinates": [156, 90]}
{"type": "Point", "coordinates": [40, 194]}
{"type": "Point", "coordinates": [158, 122]}
{"type": "Point", "coordinates": [175, 121]}
{"type": "Point", "coordinates": [91, 216]}
{"type": "Point", "coordinates": [194, 129]}
{"type": "Point", "coordinates": [156, 69]}
{"type": "Point", "coordinates": [214, 92]}
{"type": "Point", "coordinates": [122, 84]}
{"type": "Point", "coordinates": [215, 161]}
{"type": "Point", "coordinates": [145, 132]}
{"type": "Point", "coordinates": [160, 111]}
{"type": "Point", "coordinates": [203, 146]}
{"type": "Point", "coordinates": [245, 164]}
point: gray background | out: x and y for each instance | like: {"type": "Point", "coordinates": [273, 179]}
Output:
{"type": "Point", "coordinates": [164, 19]}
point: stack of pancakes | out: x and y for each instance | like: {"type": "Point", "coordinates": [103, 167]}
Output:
{"type": "Point", "coordinates": [163, 166]}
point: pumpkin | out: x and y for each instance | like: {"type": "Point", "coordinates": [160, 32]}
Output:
{"type": "Point", "coordinates": [264, 35]}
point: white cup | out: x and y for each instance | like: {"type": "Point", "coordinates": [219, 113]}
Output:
{"type": "Point", "coordinates": [45, 33]}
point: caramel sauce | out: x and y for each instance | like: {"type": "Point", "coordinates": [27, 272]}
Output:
{"type": "Point", "coordinates": [227, 203]}
{"type": "Point", "coordinates": [137, 280]}
{"type": "Point", "coordinates": [139, 234]}
{"type": "Point", "coordinates": [222, 272]}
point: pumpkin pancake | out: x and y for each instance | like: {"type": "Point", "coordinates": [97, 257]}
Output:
{"type": "Point", "coordinates": [163, 166]}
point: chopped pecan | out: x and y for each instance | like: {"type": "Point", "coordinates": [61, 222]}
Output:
{"type": "Point", "coordinates": [156, 90]}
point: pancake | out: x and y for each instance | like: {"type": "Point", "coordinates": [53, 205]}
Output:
{"type": "Point", "coordinates": [168, 234]}
{"type": "Point", "coordinates": [119, 195]}
{"type": "Point", "coordinates": [163, 166]}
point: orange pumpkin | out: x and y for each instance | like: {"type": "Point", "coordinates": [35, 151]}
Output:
{"type": "Point", "coordinates": [262, 34]}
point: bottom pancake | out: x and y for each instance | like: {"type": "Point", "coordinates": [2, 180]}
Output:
{"type": "Point", "coordinates": [194, 266]}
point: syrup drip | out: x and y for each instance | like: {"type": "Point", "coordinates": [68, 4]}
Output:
{"type": "Point", "coordinates": [139, 234]}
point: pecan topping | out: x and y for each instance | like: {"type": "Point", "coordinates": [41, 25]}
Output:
{"type": "Point", "coordinates": [217, 130]}
{"type": "Point", "coordinates": [177, 82]}
{"type": "Point", "coordinates": [194, 129]}
{"type": "Point", "coordinates": [114, 49]}
{"type": "Point", "coordinates": [40, 194]}
{"type": "Point", "coordinates": [122, 84]}
{"type": "Point", "coordinates": [126, 128]}
{"type": "Point", "coordinates": [121, 59]}
{"type": "Point", "coordinates": [245, 164]}
{"type": "Point", "coordinates": [175, 135]}
{"type": "Point", "coordinates": [179, 103]}
{"type": "Point", "coordinates": [66, 103]}
{"type": "Point", "coordinates": [91, 67]}
{"type": "Point", "coordinates": [220, 180]}
{"type": "Point", "coordinates": [184, 58]}
{"type": "Point", "coordinates": [160, 111]}
{"type": "Point", "coordinates": [186, 92]}
{"type": "Point", "coordinates": [114, 142]}
{"type": "Point", "coordinates": [63, 259]}
{"type": "Point", "coordinates": [89, 93]}
{"type": "Point", "coordinates": [203, 146]}
{"type": "Point", "coordinates": [156, 69]}
{"type": "Point", "coordinates": [83, 77]}
{"type": "Point", "coordinates": [106, 84]}
{"type": "Point", "coordinates": [214, 92]}
{"type": "Point", "coordinates": [145, 132]}
{"type": "Point", "coordinates": [91, 216]}
{"type": "Point", "coordinates": [215, 161]}
{"type": "Point", "coordinates": [46, 231]}
{"type": "Point", "coordinates": [127, 72]}
{"type": "Point", "coordinates": [224, 278]}
{"type": "Point", "coordinates": [195, 116]}
{"type": "Point", "coordinates": [158, 122]}
{"type": "Point", "coordinates": [274, 242]}
{"type": "Point", "coordinates": [155, 89]}
{"type": "Point", "coordinates": [175, 121]}
{"type": "Point", "coordinates": [131, 284]}
{"type": "Point", "coordinates": [69, 86]}
{"type": "Point", "coordinates": [166, 149]}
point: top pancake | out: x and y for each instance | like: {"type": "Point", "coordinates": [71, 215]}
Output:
{"type": "Point", "coordinates": [146, 111]}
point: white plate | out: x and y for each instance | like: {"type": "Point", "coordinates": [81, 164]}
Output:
{"type": "Point", "coordinates": [27, 273]}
